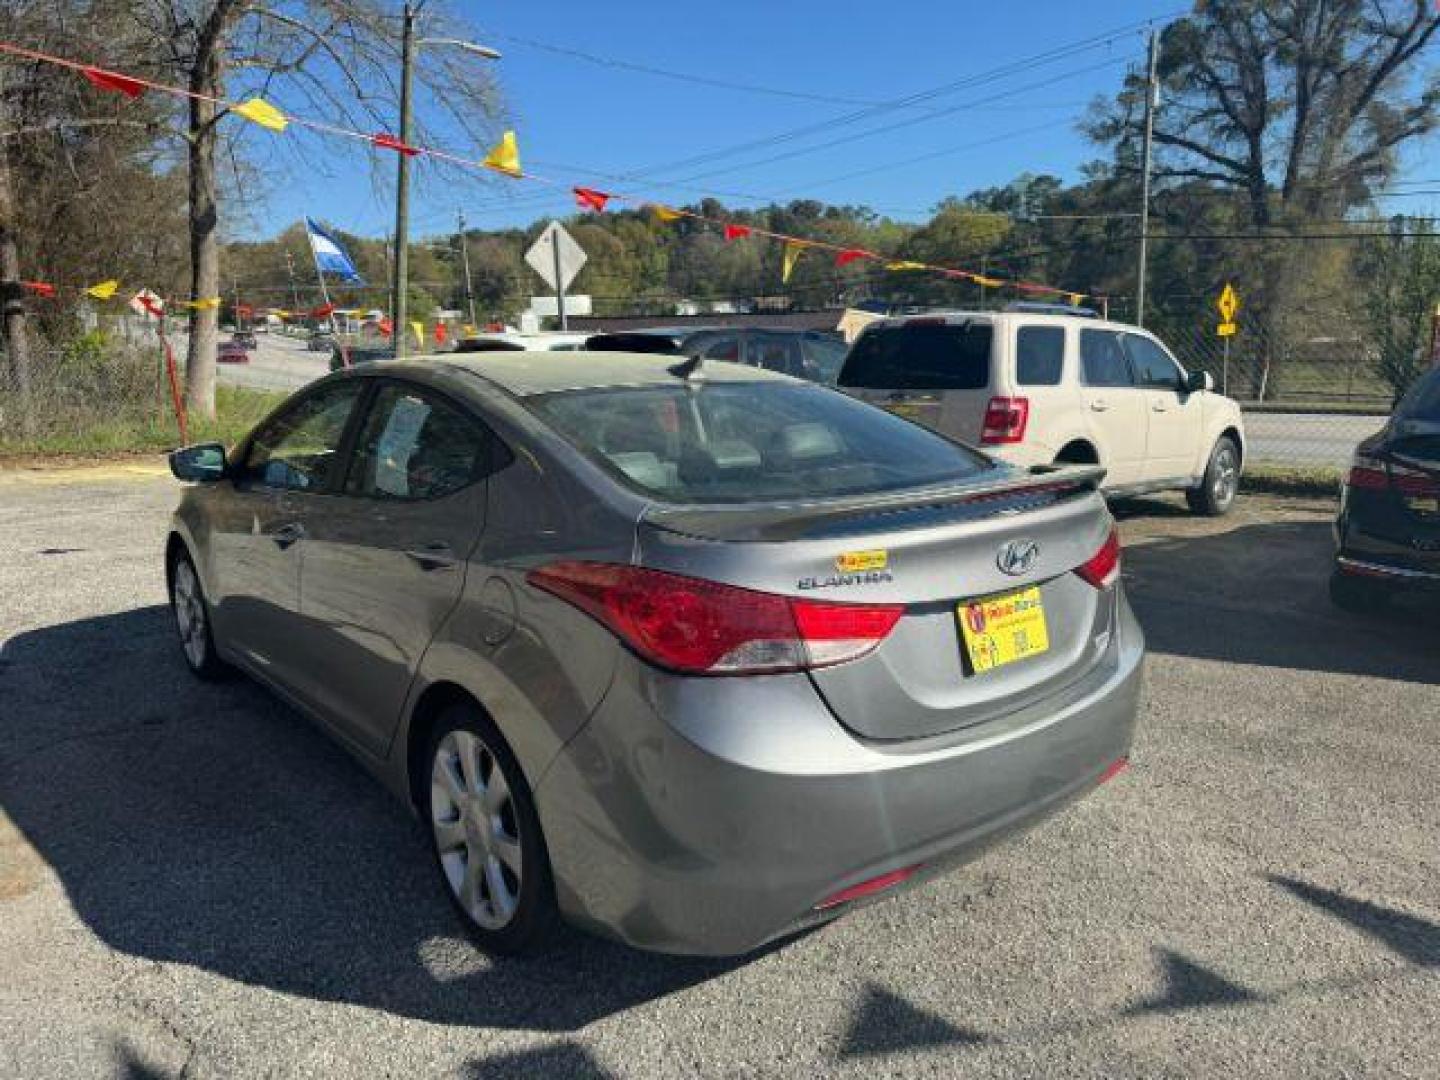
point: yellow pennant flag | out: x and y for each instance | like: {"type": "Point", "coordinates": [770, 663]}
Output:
{"type": "Point", "coordinates": [418, 329]}
{"type": "Point", "coordinates": [259, 111]}
{"type": "Point", "coordinates": [904, 264]}
{"type": "Point", "coordinates": [1076, 298]}
{"type": "Point", "coordinates": [664, 213]}
{"type": "Point", "coordinates": [504, 156]}
{"type": "Point", "coordinates": [793, 250]}
{"type": "Point", "coordinates": [209, 303]}
{"type": "Point", "coordinates": [280, 313]}
{"type": "Point", "coordinates": [987, 282]}
{"type": "Point", "coordinates": [103, 291]}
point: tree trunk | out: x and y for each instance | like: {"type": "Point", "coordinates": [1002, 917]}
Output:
{"type": "Point", "coordinates": [204, 226]}
{"type": "Point", "coordinates": [12, 295]}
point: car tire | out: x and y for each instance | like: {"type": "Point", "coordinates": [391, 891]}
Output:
{"type": "Point", "coordinates": [1221, 483]}
{"type": "Point", "coordinates": [191, 612]}
{"type": "Point", "coordinates": [1357, 595]}
{"type": "Point", "coordinates": [485, 836]}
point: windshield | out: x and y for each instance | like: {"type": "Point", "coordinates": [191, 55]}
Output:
{"type": "Point", "coordinates": [920, 356]}
{"type": "Point", "coordinates": [744, 442]}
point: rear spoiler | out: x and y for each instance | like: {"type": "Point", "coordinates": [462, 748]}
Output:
{"type": "Point", "coordinates": [1040, 486]}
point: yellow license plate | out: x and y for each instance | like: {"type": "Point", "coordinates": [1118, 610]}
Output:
{"type": "Point", "coordinates": [1001, 629]}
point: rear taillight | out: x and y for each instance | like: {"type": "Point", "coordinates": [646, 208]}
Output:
{"type": "Point", "coordinates": [1005, 420]}
{"type": "Point", "coordinates": [1103, 568]}
{"type": "Point", "coordinates": [868, 888]}
{"type": "Point", "coordinates": [1373, 474]}
{"type": "Point", "coordinates": [705, 628]}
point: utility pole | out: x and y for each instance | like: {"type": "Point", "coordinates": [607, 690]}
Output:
{"type": "Point", "coordinates": [465, 262]}
{"type": "Point", "coordinates": [294, 289]}
{"type": "Point", "coordinates": [402, 186]}
{"type": "Point", "coordinates": [1152, 95]}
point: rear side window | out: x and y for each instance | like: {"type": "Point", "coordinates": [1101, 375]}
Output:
{"type": "Point", "coordinates": [920, 356]}
{"type": "Point", "coordinates": [1103, 360]}
{"type": "Point", "coordinates": [744, 442]}
{"type": "Point", "coordinates": [1039, 355]}
{"type": "Point", "coordinates": [415, 447]}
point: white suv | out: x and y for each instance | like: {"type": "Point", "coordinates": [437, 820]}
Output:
{"type": "Point", "coordinates": [1035, 388]}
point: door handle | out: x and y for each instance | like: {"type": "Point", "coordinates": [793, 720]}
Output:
{"type": "Point", "coordinates": [288, 534]}
{"type": "Point", "coordinates": [1159, 406]}
{"type": "Point", "coordinates": [436, 556]}
{"type": "Point", "coordinates": [1099, 406]}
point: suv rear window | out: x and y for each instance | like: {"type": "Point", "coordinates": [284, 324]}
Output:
{"type": "Point", "coordinates": [747, 442]}
{"type": "Point", "coordinates": [920, 356]}
{"type": "Point", "coordinates": [1039, 355]}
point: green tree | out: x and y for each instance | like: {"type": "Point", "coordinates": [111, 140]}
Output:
{"type": "Point", "coordinates": [1399, 294]}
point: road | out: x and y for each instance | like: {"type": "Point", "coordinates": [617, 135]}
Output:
{"type": "Point", "coordinates": [1296, 439]}
{"type": "Point", "coordinates": [193, 880]}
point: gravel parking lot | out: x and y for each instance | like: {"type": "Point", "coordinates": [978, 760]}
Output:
{"type": "Point", "coordinates": [194, 881]}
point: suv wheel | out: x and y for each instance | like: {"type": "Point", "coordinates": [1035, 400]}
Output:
{"type": "Point", "coordinates": [485, 835]}
{"type": "Point", "coordinates": [1218, 488]}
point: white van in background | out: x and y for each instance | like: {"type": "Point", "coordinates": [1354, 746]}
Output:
{"type": "Point", "coordinates": [1035, 385]}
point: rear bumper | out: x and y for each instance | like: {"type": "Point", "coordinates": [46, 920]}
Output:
{"type": "Point", "coordinates": [726, 828]}
{"type": "Point", "coordinates": [1378, 542]}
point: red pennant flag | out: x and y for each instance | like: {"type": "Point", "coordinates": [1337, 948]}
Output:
{"type": "Point", "coordinates": [39, 288]}
{"type": "Point", "coordinates": [589, 198]}
{"type": "Point", "coordinates": [109, 80]}
{"type": "Point", "coordinates": [845, 258]}
{"type": "Point", "coordinates": [244, 311]}
{"type": "Point", "coordinates": [386, 327]}
{"type": "Point", "coordinates": [735, 232]}
{"type": "Point", "coordinates": [439, 333]}
{"type": "Point", "coordinates": [390, 142]}
{"type": "Point", "coordinates": [324, 311]}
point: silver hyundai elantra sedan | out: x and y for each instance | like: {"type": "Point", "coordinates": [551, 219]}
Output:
{"type": "Point", "coordinates": [693, 655]}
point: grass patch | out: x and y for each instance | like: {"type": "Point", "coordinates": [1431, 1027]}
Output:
{"type": "Point", "coordinates": [1318, 480]}
{"type": "Point", "coordinates": [131, 431]}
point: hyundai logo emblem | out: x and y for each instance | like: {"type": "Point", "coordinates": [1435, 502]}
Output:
{"type": "Point", "coordinates": [1017, 557]}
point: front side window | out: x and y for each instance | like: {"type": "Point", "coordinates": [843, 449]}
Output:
{"type": "Point", "coordinates": [1153, 366]}
{"type": "Point", "coordinates": [414, 446]}
{"type": "Point", "coordinates": [298, 450]}
{"type": "Point", "coordinates": [920, 356]}
{"type": "Point", "coordinates": [744, 442]}
{"type": "Point", "coordinates": [1039, 355]}
{"type": "Point", "coordinates": [1102, 359]}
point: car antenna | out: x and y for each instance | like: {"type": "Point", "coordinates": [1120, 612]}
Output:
{"type": "Point", "coordinates": [688, 369]}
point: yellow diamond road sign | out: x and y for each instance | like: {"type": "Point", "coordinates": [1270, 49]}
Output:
{"type": "Point", "coordinates": [1229, 303]}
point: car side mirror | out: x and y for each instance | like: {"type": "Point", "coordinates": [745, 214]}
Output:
{"type": "Point", "coordinates": [1199, 380]}
{"type": "Point", "coordinates": [199, 463]}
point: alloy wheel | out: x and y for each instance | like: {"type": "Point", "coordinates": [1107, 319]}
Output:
{"type": "Point", "coordinates": [476, 828]}
{"type": "Point", "coordinates": [190, 614]}
{"type": "Point", "coordinates": [1227, 476]}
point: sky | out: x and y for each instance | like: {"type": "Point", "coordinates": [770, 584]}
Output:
{"type": "Point", "coordinates": [583, 121]}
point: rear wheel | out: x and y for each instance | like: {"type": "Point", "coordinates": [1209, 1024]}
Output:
{"type": "Point", "coordinates": [1221, 483]}
{"type": "Point", "coordinates": [485, 835]}
{"type": "Point", "coordinates": [1357, 595]}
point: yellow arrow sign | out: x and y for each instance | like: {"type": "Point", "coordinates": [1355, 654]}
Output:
{"type": "Point", "coordinates": [1229, 303]}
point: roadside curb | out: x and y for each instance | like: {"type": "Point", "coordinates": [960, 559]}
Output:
{"type": "Point", "coordinates": [56, 473]}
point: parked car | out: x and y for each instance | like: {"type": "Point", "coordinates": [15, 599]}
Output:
{"type": "Point", "coordinates": [515, 341]}
{"type": "Point", "coordinates": [232, 352]}
{"type": "Point", "coordinates": [245, 339]}
{"type": "Point", "coordinates": [805, 354]}
{"type": "Point", "coordinates": [320, 343]}
{"type": "Point", "coordinates": [693, 662]}
{"type": "Point", "coordinates": [1388, 530]}
{"type": "Point", "coordinates": [1035, 388]}
{"type": "Point", "coordinates": [355, 353]}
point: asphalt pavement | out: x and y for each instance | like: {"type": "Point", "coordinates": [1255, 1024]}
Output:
{"type": "Point", "coordinates": [193, 881]}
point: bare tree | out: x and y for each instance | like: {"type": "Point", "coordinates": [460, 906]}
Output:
{"type": "Point", "coordinates": [340, 57]}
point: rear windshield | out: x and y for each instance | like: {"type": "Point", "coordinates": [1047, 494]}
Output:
{"type": "Point", "coordinates": [1422, 401]}
{"type": "Point", "coordinates": [743, 442]}
{"type": "Point", "coordinates": [920, 356]}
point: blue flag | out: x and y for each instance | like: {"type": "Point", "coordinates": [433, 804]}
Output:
{"type": "Point", "coordinates": [330, 257]}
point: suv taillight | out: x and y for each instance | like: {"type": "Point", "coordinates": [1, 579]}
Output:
{"type": "Point", "coordinates": [1005, 420]}
{"type": "Point", "coordinates": [1103, 568]}
{"type": "Point", "coordinates": [1373, 474]}
{"type": "Point", "coordinates": [702, 627]}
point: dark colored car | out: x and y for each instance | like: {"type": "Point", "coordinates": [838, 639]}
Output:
{"type": "Point", "coordinates": [1388, 533]}
{"type": "Point", "coordinates": [245, 339]}
{"type": "Point", "coordinates": [805, 354]}
{"type": "Point", "coordinates": [232, 352]}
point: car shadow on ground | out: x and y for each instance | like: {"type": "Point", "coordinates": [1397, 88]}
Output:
{"type": "Point", "coordinates": [1257, 594]}
{"type": "Point", "coordinates": [210, 825]}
